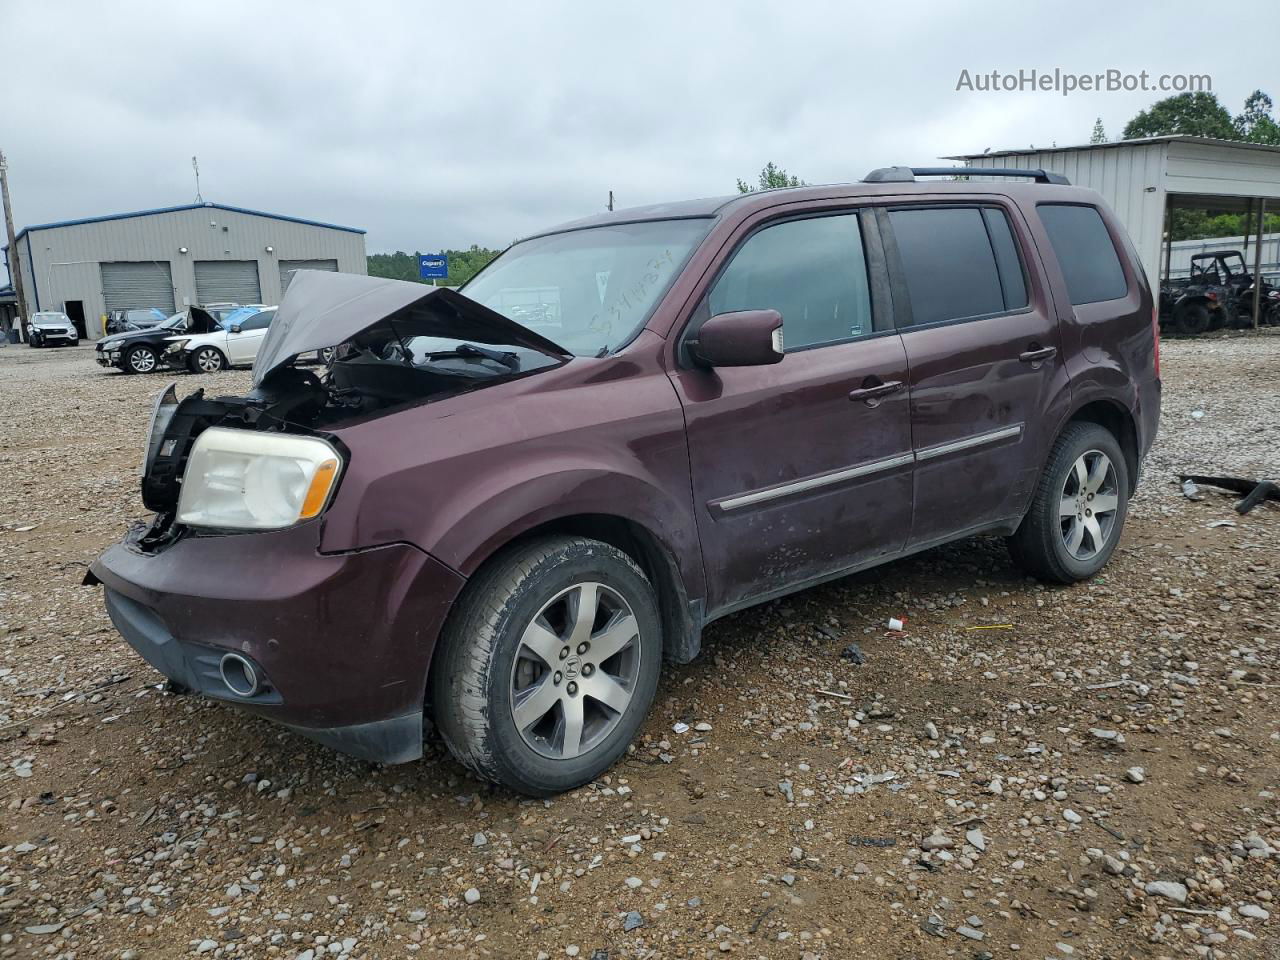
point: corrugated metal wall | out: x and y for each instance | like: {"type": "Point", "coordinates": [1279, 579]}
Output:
{"type": "Point", "coordinates": [67, 259]}
{"type": "Point", "coordinates": [1122, 175]}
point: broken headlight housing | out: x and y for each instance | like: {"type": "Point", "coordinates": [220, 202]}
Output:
{"type": "Point", "coordinates": [250, 480]}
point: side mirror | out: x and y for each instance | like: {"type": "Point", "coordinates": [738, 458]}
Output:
{"type": "Point", "coordinates": [746, 338]}
{"type": "Point", "coordinates": [235, 328]}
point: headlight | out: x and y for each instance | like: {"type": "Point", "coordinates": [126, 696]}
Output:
{"type": "Point", "coordinates": [245, 480]}
{"type": "Point", "coordinates": [177, 345]}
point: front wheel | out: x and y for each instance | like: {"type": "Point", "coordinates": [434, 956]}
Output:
{"type": "Point", "coordinates": [140, 360]}
{"type": "Point", "coordinates": [1078, 510]}
{"type": "Point", "coordinates": [549, 665]}
{"type": "Point", "coordinates": [1192, 319]}
{"type": "Point", "coordinates": [207, 360]}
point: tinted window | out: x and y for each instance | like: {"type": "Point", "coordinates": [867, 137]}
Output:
{"type": "Point", "coordinates": [1085, 252]}
{"type": "Point", "coordinates": [259, 321]}
{"type": "Point", "coordinates": [949, 263]}
{"type": "Point", "coordinates": [1012, 282]}
{"type": "Point", "coordinates": [813, 272]}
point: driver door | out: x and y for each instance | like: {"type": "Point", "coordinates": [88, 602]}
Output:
{"type": "Point", "coordinates": [243, 345]}
{"type": "Point", "coordinates": [801, 469]}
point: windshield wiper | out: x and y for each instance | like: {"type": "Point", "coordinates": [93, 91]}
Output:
{"type": "Point", "coordinates": [469, 351]}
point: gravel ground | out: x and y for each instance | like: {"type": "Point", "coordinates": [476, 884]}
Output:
{"type": "Point", "coordinates": [1025, 772]}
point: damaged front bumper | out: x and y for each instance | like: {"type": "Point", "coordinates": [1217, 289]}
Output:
{"type": "Point", "coordinates": [339, 645]}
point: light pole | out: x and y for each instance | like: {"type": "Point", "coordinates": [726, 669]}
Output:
{"type": "Point", "coordinates": [15, 270]}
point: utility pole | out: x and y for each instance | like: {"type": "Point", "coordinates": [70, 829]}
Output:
{"type": "Point", "coordinates": [15, 271]}
{"type": "Point", "coordinates": [195, 165]}
{"type": "Point", "coordinates": [611, 201]}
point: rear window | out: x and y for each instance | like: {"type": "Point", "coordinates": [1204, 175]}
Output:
{"type": "Point", "coordinates": [959, 262]}
{"type": "Point", "coordinates": [1085, 252]}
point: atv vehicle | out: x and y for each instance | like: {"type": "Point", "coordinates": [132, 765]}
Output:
{"type": "Point", "coordinates": [1218, 293]}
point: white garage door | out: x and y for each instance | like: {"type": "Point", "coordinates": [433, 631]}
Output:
{"type": "Point", "coordinates": [287, 268]}
{"type": "Point", "coordinates": [227, 281]}
{"type": "Point", "coordinates": [126, 286]}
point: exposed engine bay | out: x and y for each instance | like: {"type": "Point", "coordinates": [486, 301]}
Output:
{"type": "Point", "coordinates": [420, 350]}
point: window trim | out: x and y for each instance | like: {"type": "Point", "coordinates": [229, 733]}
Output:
{"type": "Point", "coordinates": [1130, 277]}
{"type": "Point", "coordinates": [898, 274]}
{"type": "Point", "coordinates": [879, 292]}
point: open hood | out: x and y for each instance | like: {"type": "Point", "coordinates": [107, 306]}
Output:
{"type": "Point", "coordinates": [323, 309]}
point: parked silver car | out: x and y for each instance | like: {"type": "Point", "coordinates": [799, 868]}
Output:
{"type": "Point", "coordinates": [50, 329]}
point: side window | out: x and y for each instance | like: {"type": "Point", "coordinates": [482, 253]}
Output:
{"type": "Point", "coordinates": [813, 272]}
{"type": "Point", "coordinates": [959, 262]}
{"type": "Point", "coordinates": [1085, 252]}
{"type": "Point", "coordinates": [259, 321]}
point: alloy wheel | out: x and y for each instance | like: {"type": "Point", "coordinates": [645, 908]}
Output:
{"type": "Point", "coordinates": [208, 360]}
{"type": "Point", "coordinates": [1090, 499]}
{"type": "Point", "coordinates": [142, 361]}
{"type": "Point", "coordinates": [575, 671]}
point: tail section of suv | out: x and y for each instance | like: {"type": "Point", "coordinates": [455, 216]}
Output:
{"type": "Point", "coordinates": [507, 506]}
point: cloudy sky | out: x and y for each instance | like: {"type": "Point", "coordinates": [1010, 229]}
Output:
{"type": "Point", "coordinates": [436, 125]}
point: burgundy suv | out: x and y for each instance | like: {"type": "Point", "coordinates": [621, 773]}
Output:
{"type": "Point", "coordinates": [504, 508]}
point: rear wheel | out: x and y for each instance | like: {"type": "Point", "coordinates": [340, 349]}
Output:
{"type": "Point", "coordinates": [207, 360]}
{"type": "Point", "coordinates": [549, 665]}
{"type": "Point", "coordinates": [1191, 319]}
{"type": "Point", "coordinates": [1078, 510]}
{"type": "Point", "coordinates": [141, 359]}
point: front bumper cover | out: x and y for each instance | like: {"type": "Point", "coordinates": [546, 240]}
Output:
{"type": "Point", "coordinates": [343, 642]}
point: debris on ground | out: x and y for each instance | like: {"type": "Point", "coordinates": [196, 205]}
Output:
{"type": "Point", "coordinates": [1146, 702]}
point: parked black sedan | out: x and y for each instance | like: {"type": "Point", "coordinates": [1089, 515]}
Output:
{"type": "Point", "coordinates": [142, 351]}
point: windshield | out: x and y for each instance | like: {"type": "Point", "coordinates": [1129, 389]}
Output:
{"type": "Point", "coordinates": [177, 321]}
{"type": "Point", "coordinates": [50, 318]}
{"type": "Point", "coordinates": [588, 290]}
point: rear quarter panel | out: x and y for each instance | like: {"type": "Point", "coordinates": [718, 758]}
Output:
{"type": "Point", "coordinates": [1109, 346]}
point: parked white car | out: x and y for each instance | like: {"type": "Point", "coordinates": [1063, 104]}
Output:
{"type": "Point", "coordinates": [50, 328]}
{"type": "Point", "coordinates": [235, 343]}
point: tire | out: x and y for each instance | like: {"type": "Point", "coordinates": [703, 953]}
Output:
{"type": "Point", "coordinates": [483, 665]}
{"type": "Point", "coordinates": [206, 360]}
{"type": "Point", "coordinates": [141, 359]}
{"type": "Point", "coordinates": [35, 343]}
{"type": "Point", "coordinates": [1042, 544]}
{"type": "Point", "coordinates": [1191, 319]}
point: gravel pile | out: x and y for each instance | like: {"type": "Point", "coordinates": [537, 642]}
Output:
{"type": "Point", "coordinates": [1026, 771]}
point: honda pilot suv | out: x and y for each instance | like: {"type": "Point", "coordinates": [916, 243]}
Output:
{"type": "Point", "coordinates": [504, 508]}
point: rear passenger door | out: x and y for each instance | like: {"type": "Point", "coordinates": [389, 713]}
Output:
{"type": "Point", "coordinates": [985, 359]}
{"type": "Point", "coordinates": [801, 469]}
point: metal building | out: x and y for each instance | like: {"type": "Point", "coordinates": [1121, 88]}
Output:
{"type": "Point", "coordinates": [174, 257]}
{"type": "Point", "coordinates": [1144, 180]}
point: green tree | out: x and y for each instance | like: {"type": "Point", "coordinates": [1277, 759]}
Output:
{"type": "Point", "coordinates": [771, 178]}
{"type": "Point", "coordinates": [463, 265]}
{"type": "Point", "coordinates": [1099, 134]}
{"type": "Point", "coordinates": [1255, 124]}
{"type": "Point", "coordinates": [1190, 114]}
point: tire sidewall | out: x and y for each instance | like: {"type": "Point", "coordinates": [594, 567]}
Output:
{"type": "Point", "coordinates": [1096, 438]}
{"type": "Point", "coordinates": [517, 763]}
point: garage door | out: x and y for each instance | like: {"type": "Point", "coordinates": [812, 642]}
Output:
{"type": "Point", "coordinates": [227, 281]}
{"type": "Point", "coordinates": [287, 267]}
{"type": "Point", "coordinates": [129, 285]}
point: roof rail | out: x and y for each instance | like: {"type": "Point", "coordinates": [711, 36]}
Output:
{"type": "Point", "coordinates": [909, 174]}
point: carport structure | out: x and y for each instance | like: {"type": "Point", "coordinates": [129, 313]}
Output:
{"type": "Point", "coordinates": [1144, 181]}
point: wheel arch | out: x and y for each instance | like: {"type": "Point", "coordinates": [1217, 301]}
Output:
{"type": "Point", "coordinates": [1119, 422]}
{"type": "Point", "coordinates": [681, 618]}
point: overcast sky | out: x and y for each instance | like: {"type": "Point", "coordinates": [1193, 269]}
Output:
{"type": "Point", "coordinates": [436, 125]}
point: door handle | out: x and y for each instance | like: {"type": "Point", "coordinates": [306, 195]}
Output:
{"type": "Point", "coordinates": [1035, 356]}
{"type": "Point", "coordinates": [873, 393]}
